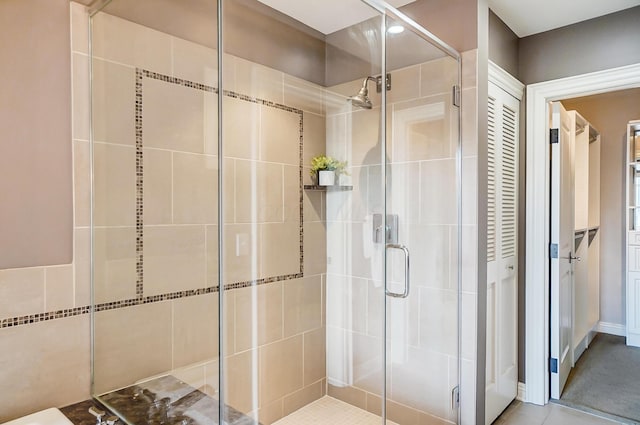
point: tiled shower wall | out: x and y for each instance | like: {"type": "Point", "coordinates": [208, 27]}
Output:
{"type": "Point", "coordinates": [423, 327]}
{"type": "Point", "coordinates": [273, 124]}
{"type": "Point", "coordinates": [159, 297]}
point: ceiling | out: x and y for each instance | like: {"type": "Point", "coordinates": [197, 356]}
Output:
{"type": "Point", "coordinates": [328, 16]}
{"type": "Point", "coordinates": [527, 17]}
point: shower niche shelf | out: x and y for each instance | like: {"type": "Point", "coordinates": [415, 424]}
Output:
{"type": "Point", "coordinates": [326, 188]}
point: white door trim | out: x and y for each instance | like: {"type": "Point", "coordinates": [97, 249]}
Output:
{"type": "Point", "coordinates": [505, 81]}
{"type": "Point", "coordinates": [537, 201]}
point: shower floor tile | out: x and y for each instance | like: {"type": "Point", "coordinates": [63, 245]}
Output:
{"type": "Point", "coordinates": [330, 411]}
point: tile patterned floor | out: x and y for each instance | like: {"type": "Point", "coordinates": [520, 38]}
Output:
{"type": "Point", "coordinates": [330, 411]}
{"type": "Point", "coordinates": [552, 414]}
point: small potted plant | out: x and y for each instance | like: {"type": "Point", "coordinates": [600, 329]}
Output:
{"type": "Point", "coordinates": [325, 169]}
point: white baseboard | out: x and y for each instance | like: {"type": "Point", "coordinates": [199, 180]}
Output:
{"type": "Point", "coordinates": [521, 392]}
{"type": "Point", "coordinates": [612, 328]}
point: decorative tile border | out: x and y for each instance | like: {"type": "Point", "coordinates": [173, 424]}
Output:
{"type": "Point", "coordinates": [140, 298]}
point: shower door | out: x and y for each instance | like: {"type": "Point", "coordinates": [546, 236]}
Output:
{"type": "Point", "coordinates": [345, 293]}
{"type": "Point", "coordinates": [422, 193]}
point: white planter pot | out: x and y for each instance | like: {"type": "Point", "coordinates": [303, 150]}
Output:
{"type": "Point", "coordinates": [326, 178]}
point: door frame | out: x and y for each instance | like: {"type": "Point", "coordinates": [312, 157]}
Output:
{"type": "Point", "coordinates": [538, 204]}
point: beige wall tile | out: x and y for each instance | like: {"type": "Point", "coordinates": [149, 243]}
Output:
{"type": "Point", "coordinates": [438, 76]}
{"type": "Point", "coordinates": [114, 100]}
{"type": "Point", "coordinates": [195, 189]}
{"type": "Point", "coordinates": [114, 264]}
{"type": "Point", "coordinates": [403, 183]}
{"type": "Point", "coordinates": [303, 95]}
{"type": "Point", "coordinates": [114, 185]}
{"type": "Point", "coordinates": [469, 190]}
{"type": "Point", "coordinates": [241, 374]}
{"type": "Point", "coordinates": [423, 139]}
{"type": "Point", "coordinates": [79, 28]}
{"type": "Point", "coordinates": [48, 361]}
{"type": "Point", "coordinates": [314, 356]}
{"type": "Point", "coordinates": [258, 195]}
{"type": "Point", "coordinates": [438, 192]}
{"type": "Point", "coordinates": [174, 259]}
{"type": "Point", "coordinates": [212, 255]}
{"type": "Point", "coordinates": [122, 358]}
{"type": "Point", "coordinates": [347, 296]}
{"type": "Point", "coordinates": [81, 98]}
{"type": "Point", "coordinates": [426, 419]}
{"type": "Point", "coordinates": [364, 137]}
{"type": "Point", "coordinates": [21, 291]}
{"type": "Point", "coordinates": [417, 382]}
{"type": "Point", "coordinates": [157, 187]}
{"type": "Point", "coordinates": [279, 249]}
{"type": "Point", "coordinates": [123, 41]}
{"type": "Point", "coordinates": [211, 378]}
{"type": "Point", "coordinates": [258, 81]}
{"type": "Point", "coordinates": [302, 397]}
{"type": "Point", "coordinates": [405, 84]}
{"type": "Point", "coordinates": [173, 116]}
{"type": "Point", "coordinates": [241, 248]}
{"type": "Point", "coordinates": [367, 362]}
{"type": "Point", "coordinates": [374, 404]}
{"type": "Point", "coordinates": [314, 137]}
{"type": "Point", "coordinates": [81, 183]}
{"type": "Point", "coordinates": [400, 414]}
{"type": "Point", "coordinates": [313, 206]}
{"type": "Point", "coordinates": [82, 265]}
{"type": "Point", "coordinates": [469, 117]}
{"type": "Point", "coordinates": [280, 369]}
{"type": "Point", "coordinates": [469, 68]}
{"type": "Point", "coordinates": [195, 329]}
{"type": "Point", "coordinates": [210, 123]}
{"type": "Point", "coordinates": [195, 62]}
{"type": "Point", "coordinates": [270, 413]}
{"type": "Point", "coordinates": [438, 320]}
{"type": "Point", "coordinates": [279, 136]}
{"type": "Point", "coordinates": [58, 287]}
{"type": "Point", "coordinates": [434, 245]}
{"type": "Point", "coordinates": [258, 315]}
{"type": "Point", "coordinates": [291, 194]}
{"type": "Point", "coordinates": [229, 324]}
{"type": "Point", "coordinates": [302, 305]}
{"type": "Point", "coordinates": [375, 308]}
{"type": "Point", "coordinates": [350, 395]}
{"type": "Point", "coordinates": [191, 375]}
{"type": "Point", "coordinates": [240, 128]}
{"type": "Point", "coordinates": [315, 248]}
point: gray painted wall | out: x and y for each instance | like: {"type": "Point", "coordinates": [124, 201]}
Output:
{"type": "Point", "coordinates": [594, 45]}
{"type": "Point", "coordinates": [36, 215]}
{"type": "Point", "coordinates": [503, 45]}
{"type": "Point", "coordinates": [609, 113]}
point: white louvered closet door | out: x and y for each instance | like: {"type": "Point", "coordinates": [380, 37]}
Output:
{"type": "Point", "coordinates": [502, 259]}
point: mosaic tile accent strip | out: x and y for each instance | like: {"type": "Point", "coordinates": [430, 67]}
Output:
{"type": "Point", "coordinates": [140, 298]}
{"type": "Point", "coordinates": [139, 188]}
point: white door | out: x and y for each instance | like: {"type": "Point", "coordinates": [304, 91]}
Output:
{"type": "Point", "coordinates": [562, 248]}
{"type": "Point", "coordinates": [502, 285]}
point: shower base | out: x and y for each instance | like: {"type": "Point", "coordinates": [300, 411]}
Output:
{"type": "Point", "coordinates": [330, 411]}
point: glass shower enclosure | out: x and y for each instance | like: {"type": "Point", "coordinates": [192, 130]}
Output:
{"type": "Point", "coordinates": [228, 285]}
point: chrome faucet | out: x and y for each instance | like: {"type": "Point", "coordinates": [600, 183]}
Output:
{"type": "Point", "coordinates": [111, 420]}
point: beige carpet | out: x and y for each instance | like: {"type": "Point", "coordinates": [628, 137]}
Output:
{"type": "Point", "coordinates": [330, 411]}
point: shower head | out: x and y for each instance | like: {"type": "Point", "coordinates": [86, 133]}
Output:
{"type": "Point", "coordinates": [361, 100]}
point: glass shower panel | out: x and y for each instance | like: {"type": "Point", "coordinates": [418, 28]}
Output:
{"type": "Point", "coordinates": [296, 274]}
{"type": "Point", "coordinates": [154, 232]}
{"type": "Point", "coordinates": [422, 197]}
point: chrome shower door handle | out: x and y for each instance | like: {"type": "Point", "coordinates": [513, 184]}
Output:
{"type": "Point", "coordinates": [405, 250]}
